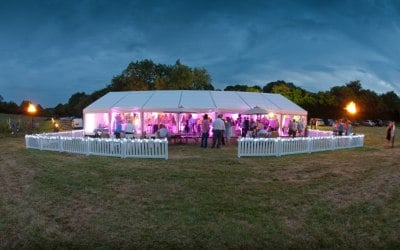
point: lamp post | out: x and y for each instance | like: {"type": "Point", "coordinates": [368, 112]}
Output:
{"type": "Point", "coordinates": [352, 109]}
{"type": "Point", "coordinates": [31, 111]}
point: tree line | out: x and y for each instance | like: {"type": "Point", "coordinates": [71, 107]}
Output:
{"type": "Point", "coordinates": [147, 75]}
{"type": "Point", "coordinates": [331, 103]}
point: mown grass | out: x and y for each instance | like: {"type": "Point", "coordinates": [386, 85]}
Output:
{"type": "Point", "coordinates": [201, 198]}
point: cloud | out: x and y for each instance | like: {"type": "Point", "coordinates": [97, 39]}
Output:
{"type": "Point", "coordinates": [64, 47]}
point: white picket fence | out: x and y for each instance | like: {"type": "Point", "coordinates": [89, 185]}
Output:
{"type": "Point", "coordinates": [124, 148]}
{"type": "Point", "coordinates": [286, 146]}
{"type": "Point", "coordinates": [71, 133]}
{"type": "Point", "coordinates": [75, 142]}
{"type": "Point", "coordinates": [319, 133]}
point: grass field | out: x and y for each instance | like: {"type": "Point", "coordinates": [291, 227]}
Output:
{"type": "Point", "coordinates": [201, 198]}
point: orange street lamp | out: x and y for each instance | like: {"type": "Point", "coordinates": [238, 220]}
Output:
{"type": "Point", "coordinates": [352, 109]}
{"type": "Point", "coordinates": [56, 127]}
{"type": "Point", "coordinates": [32, 111]}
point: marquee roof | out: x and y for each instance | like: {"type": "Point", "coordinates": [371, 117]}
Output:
{"type": "Point", "coordinates": [192, 101]}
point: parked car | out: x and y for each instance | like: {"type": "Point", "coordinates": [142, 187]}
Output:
{"type": "Point", "coordinates": [355, 123]}
{"type": "Point", "coordinates": [77, 123]}
{"type": "Point", "coordinates": [386, 123]}
{"type": "Point", "coordinates": [378, 122]}
{"type": "Point", "coordinates": [329, 122]}
{"type": "Point", "coordinates": [368, 123]}
{"type": "Point", "coordinates": [320, 122]}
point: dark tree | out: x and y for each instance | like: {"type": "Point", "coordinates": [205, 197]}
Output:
{"type": "Point", "coordinates": [77, 102]}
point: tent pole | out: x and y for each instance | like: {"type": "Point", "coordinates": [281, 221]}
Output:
{"type": "Point", "coordinates": [142, 122]}
{"type": "Point", "coordinates": [179, 122]}
{"type": "Point", "coordinates": [111, 122]}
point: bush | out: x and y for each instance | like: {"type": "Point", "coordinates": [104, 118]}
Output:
{"type": "Point", "coordinates": [4, 128]}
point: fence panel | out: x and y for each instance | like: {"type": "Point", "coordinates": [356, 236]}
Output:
{"type": "Point", "coordinates": [32, 142]}
{"type": "Point", "coordinates": [320, 143]}
{"type": "Point", "coordinates": [287, 146]}
{"type": "Point", "coordinates": [319, 133]}
{"type": "Point", "coordinates": [70, 133]}
{"type": "Point", "coordinates": [147, 148]}
{"type": "Point", "coordinates": [257, 147]}
{"type": "Point", "coordinates": [293, 146]}
{"type": "Point", "coordinates": [50, 143]}
{"type": "Point", "coordinates": [73, 145]}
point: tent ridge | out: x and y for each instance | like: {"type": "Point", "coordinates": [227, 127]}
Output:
{"type": "Point", "coordinates": [148, 99]}
{"type": "Point", "coordinates": [126, 93]}
{"type": "Point", "coordinates": [212, 99]}
{"type": "Point", "coordinates": [237, 93]}
{"type": "Point", "coordinates": [180, 99]}
{"type": "Point", "coordinates": [264, 95]}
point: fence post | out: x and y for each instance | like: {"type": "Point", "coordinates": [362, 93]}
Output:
{"type": "Point", "coordinates": [40, 143]}
{"type": "Point", "coordinates": [59, 143]}
{"type": "Point", "coordinates": [239, 147]}
{"type": "Point", "coordinates": [123, 148]}
{"type": "Point", "coordinates": [166, 148]}
{"type": "Point", "coordinates": [87, 146]}
{"type": "Point", "coordinates": [279, 146]}
{"type": "Point", "coordinates": [309, 142]}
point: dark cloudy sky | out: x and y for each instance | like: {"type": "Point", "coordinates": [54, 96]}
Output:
{"type": "Point", "coordinates": [51, 49]}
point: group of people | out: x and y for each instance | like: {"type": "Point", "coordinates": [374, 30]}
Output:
{"type": "Point", "coordinates": [295, 128]}
{"type": "Point", "coordinates": [221, 131]}
{"type": "Point", "coordinates": [258, 128]}
{"type": "Point", "coordinates": [341, 127]}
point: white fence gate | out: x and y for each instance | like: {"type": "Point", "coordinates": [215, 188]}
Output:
{"type": "Point", "coordinates": [124, 148]}
{"type": "Point", "coordinates": [286, 146]}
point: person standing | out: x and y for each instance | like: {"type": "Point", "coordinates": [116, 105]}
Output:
{"type": "Point", "coordinates": [205, 130]}
{"type": "Point", "coordinates": [313, 123]}
{"type": "Point", "coordinates": [118, 130]}
{"type": "Point", "coordinates": [129, 130]}
{"type": "Point", "coordinates": [348, 127]}
{"type": "Point", "coordinates": [163, 132]}
{"type": "Point", "coordinates": [292, 128]}
{"type": "Point", "coordinates": [300, 128]}
{"type": "Point", "coordinates": [228, 126]}
{"type": "Point", "coordinates": [218, 128]}
{"type": "Point", "coordinates": [390, 132]}
{"type": "Point", "coordinates": [245, 126]}
{"type": "Point", "coordinates": [340, 128]}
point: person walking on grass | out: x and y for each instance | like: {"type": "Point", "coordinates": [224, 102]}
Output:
{"type": "Point", "coordinates": [390, 132]}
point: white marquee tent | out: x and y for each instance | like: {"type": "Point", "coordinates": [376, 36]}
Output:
{"type": "Point", "coordinates": [142, 103]}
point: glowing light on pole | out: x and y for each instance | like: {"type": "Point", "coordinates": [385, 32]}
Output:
{"type": "Point", "coordinates": [351, 108]}
{"type": "Point", "coordinates": [32, 111]}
